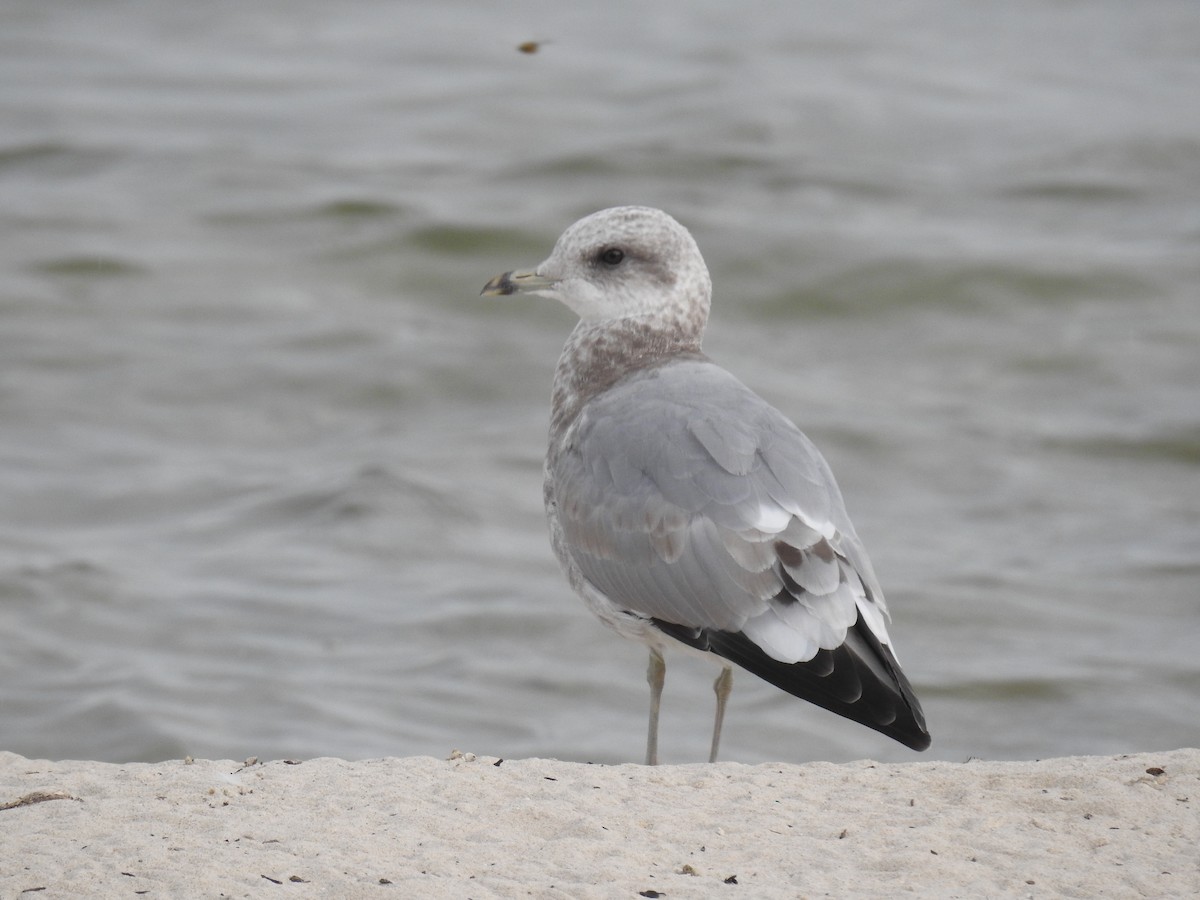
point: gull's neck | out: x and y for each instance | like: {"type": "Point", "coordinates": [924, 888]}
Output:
{"type": "Point", "coordinates": [599, 354]}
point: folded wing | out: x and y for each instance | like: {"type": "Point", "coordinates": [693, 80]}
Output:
{"type": "Point", "coordinates": [688, 500]}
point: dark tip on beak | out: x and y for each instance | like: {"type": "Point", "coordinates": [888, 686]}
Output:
{"type": "Point", "coordinates": [500, 286]}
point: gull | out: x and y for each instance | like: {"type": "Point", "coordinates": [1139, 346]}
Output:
{"type": "Point", "coordinates": [684, 509]}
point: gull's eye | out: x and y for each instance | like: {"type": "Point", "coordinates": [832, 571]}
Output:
{"type": "Point", "coordinates": [612, 256]}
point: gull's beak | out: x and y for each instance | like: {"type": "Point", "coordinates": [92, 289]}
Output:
{"type": "Point", "coordinates": [522, 281]}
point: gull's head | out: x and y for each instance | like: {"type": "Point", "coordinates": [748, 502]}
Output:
{"type": "Point", "coordinates": [620, 263]}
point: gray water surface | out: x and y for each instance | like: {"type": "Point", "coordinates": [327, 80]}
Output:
{"type": "Point", "coordinates": [270, 469]}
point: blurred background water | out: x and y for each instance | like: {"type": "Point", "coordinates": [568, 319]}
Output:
{"type": "Point", "coordinates": [270, 470]}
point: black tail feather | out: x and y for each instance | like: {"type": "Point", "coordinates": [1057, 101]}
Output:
{"type": "Point", "coordinates": [860, 680]}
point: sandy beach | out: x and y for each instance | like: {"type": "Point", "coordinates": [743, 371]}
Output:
{"type": "Point", "coordinates": [1125, 826]}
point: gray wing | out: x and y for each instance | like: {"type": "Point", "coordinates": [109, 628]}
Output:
{"type": "Point", "coordinates": [685, 498]}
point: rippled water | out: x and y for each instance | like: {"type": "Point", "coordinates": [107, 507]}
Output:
{"type": "Point", "coordinates": [270, 469]}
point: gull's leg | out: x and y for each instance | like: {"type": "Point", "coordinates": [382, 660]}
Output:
{"type": "Point", "coordinates": [722, 687]}
{"type": "Point", "coordinates": [656, 674]}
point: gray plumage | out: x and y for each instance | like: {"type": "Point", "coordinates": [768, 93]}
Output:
{"type": "Point", "coordinates": [683, 508]}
